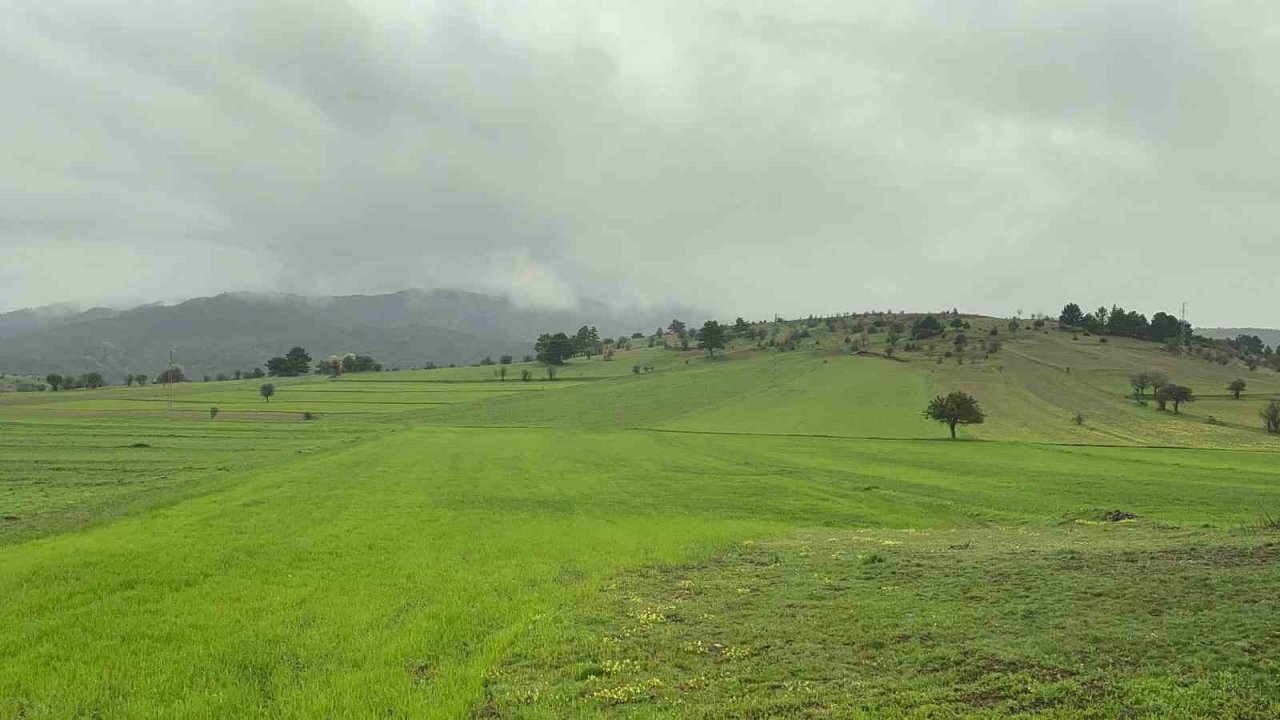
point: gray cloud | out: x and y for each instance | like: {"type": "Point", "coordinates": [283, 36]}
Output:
{"type": "Point", "coordinates": [808, 158]}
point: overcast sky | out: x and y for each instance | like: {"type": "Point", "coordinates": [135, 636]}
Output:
{"type": "Point", "coordinates": [745, 157]}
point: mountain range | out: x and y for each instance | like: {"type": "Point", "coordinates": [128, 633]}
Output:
{"type": "Point", "coordinates": [240, 331]}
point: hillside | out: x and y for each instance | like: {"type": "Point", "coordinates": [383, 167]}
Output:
{"type": "Point", "coordinates": [622, 540]}
{"type": "Point", "coordinates": [239, 331]}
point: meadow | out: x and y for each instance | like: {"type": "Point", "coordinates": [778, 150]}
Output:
{"type": "Point", "coordinates": [447, 544]}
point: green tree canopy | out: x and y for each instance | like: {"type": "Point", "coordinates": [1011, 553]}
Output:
{"type": "Point", "coordinates": [711, 337]}
{"type": "Point", "coordinates": [554, 349]}
{"type": "Point", "coordinates": [956, 408]}
{"type": "Point", "coordinates": [926, 327]}
{"type": "Point", "coordinates": [1173, 393]}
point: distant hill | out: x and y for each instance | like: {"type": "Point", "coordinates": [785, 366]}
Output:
{"type": "Point", "coordinates": [240, 331]}
{"type": "Point", "coordinates": [1270, 336]}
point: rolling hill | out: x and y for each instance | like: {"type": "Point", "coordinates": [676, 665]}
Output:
{"type": "Point", "coordinates": [766, 533]}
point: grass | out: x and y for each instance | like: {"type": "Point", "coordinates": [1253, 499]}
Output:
{"type": "Point", "coordinates": [442, 544]}
{"type": "Point", "coordinates": [1102, 620]}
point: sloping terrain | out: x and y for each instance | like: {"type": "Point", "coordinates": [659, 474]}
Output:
{"type": "Point", "coordinates": [761, 533]}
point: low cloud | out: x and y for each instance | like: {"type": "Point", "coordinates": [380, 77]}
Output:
{"type": "Point", "coordinates": [750, 160]}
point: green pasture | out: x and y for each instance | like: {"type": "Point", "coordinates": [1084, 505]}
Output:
{"type": "Point", "coordinates": [756, 534]}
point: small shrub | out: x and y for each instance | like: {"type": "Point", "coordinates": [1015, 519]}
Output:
{"type": "Point", "coordinates": [873, 559]}
{"type": "Point", "coordinates": [1212, 420]}
{"type": "Point", "coordinates": [1078, 418]}
{"type": "Point", "coordinates": [213, 413]}
{"type": "Point", "coordinates": [1102, 340]}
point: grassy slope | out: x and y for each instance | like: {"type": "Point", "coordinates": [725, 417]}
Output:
{"type": "Point", "coordinates": [395, 574]}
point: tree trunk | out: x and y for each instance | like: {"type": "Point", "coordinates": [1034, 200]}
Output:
{"type": "Point", "coordinates": [953, 430]}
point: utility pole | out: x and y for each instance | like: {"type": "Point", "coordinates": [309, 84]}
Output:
{"type": "Point", "coordinates": [168, 381]}
{"type": "Point", "coordinates": [1186, 329]}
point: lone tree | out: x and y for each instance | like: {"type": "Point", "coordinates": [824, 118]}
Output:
{"type": "Point", "coordinates": [1236, 387]}
{"type": "Point", "coordinates": [1176, 394]}
{"type": "Point", "coordinates": [1271, 416]}
{"type": "Point", "coordinates": [711, 337]}
{"type": "Point", "coordinates": [266, 391]}
{"type": "Point", "coordinates": [54, 380]}
{"type": "Point", "coordinates": [93, 380]}
{"type": "Point", "coordinates": [957, 408]}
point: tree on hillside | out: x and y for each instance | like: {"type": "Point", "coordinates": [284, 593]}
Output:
{"type": "Point", "coordinates": [1146, 379]}
{"type": "Point", "coordinates": [54, 380]}
{"type": "Point", "coordinates": [711, 337]}
{"type": "Point", "coordinates": [1271, 416]}
{"type": "Point", "coordinates": [676, 326]}
{"type": "Point", "coordinates": [1164, 327]}
{"type": "Point", "coordinates": [266, 391]}
{"type": "Point", "coordinates": [173, 374]}
{"type": "Point", "coordinates": [93, 380]}
{"type": "Point", "coordinates": [294, 363]}
{"type": "Point", "coordinates": [1072, 315]}
{"type": "Point", "coordinates": [553, 349]}
{"type": "Point", "coordinates": [1236, 387]}
{"type": "Point", "coordinates": [957, 408]}
{"type": "Point", "coordinates": [140, 379]}
{"type": "Point", "coordinates": [586, 342]}
{"type": "Point", "coordinates": [257, 374]}
{"type": "Point", "coordinates": [926, 327]}
{"type": "Point", "coordinates": [741, 327]}
{"type": "Point", "coordinates": [128, 380]}
{"type": "Point", "coordinates": [1172, 393]}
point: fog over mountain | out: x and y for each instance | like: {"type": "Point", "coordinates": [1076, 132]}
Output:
{"type": "Point", "coordinates": [797, 158]}
{"type": "Point", "coordinates": [240, 331]}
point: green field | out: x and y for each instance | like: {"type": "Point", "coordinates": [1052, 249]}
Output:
{"type": "Point", "coordinates": [753, 535]}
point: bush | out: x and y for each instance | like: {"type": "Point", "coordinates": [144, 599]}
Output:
{"type": "Point", "coordinates": [1078, 419]}
{"type": "Point", "coordinates": [1102, 340]}
{"type": "Point", "coordinates": [213, 413]}
{"type": "Point", "coordinates": [309, 415]}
